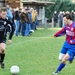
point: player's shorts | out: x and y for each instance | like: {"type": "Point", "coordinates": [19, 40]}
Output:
{"type": "Point", "coordinates": [71, 54]}
{"type": "Point", "coordinates": [68, 48]}
{"type": "Point", "coordinates": [3, 40]}
{"type": "Point", "coordinates": [65, 47]}
{"type": "Point", "coordinates": [71, 51]}
{"type": "Point", "coordinates": [63, 50]}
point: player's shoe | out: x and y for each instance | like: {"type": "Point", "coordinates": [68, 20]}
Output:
{"type": "Point", "coordinates": [2, 65]}
{"type": "Point", "coordinates": [70, 61]}
{"type": "Point", "coordinates": [56, 72]}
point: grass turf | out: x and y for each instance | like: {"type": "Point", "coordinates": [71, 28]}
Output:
{"type": "Point", "coordinates": [36, 55]}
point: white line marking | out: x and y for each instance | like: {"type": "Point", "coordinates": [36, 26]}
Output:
{"type": "Point", "coordinates": [34, 38]}
{"type": "Point", "coordinates": [25, 41]}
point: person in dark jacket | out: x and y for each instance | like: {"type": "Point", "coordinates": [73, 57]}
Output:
{"type": "Point", "coordinates": [16, 21]}
{"type": "Point", "coordinates": [60, 18]}
{"type": "Point", "coordinates": [72, 14]}
{"type": "Point", "coordinates": [24, 22]}
{"type": "Point", "coordinates": [55, 18]}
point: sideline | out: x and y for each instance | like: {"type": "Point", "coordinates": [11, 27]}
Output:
{"type": "Point", "coordinates": [26, 41]}
{"type": "Point", "coordinates": [34, 38]}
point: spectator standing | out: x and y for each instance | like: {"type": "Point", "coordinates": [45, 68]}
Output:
{"type": "Point", "coordinates": [24, 22]}
{"type": "Point", "coordinates": [16, 21]}
{"type": "Point", "coordinates": [72, 14]}
{"type": "Point", "coordinates": [60, 18]}
{"type": "Point", "coordinates": [55, 18]}
{"type": "Point", "coordinates": [9, 13]}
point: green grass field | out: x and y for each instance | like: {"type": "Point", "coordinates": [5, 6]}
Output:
{"type": "Point", "coordinates": [37, 54]}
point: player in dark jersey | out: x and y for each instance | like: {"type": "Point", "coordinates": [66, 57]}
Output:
{"type": "Point", "coordinates": [4, 24]}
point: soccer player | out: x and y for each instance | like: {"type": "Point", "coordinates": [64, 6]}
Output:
{"type": "Point", "coordinates": [69, 44]}
{"type": "Point", "coordinates": [4, 24]}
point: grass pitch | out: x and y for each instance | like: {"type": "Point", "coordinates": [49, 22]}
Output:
{"type": "Point", "coordinates": [37, 54]}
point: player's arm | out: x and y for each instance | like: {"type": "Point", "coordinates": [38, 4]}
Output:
{"type": "Point", "coordinates": [60, 33]}
{"type": "Point", "coordinates": [12, 29]}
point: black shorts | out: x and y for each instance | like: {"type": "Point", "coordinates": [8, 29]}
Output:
{"type": "Point", "coordinates": [3, 40]}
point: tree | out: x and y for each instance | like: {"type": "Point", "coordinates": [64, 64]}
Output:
{"type": "Point", "coordinates": [60, 5]}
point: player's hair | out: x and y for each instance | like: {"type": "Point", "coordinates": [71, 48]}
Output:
{"type": "Point", "coordinates": [3, 9]}
{"type": "Point", "coordinates": [68, 16]}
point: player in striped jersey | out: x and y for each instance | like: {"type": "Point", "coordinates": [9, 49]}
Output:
{"type": "Point", "coordinates": [69, 44]}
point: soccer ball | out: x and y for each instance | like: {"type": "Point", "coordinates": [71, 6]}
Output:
{"type": "Point", "coordinates": [14, 69]}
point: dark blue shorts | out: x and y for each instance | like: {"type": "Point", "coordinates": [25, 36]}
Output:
{"type": "Point", "coordinates": [3, 40]}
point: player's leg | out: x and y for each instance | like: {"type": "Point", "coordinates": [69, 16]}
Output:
{"type": "Point", "coordinates": [0, 56]}
{"type": "Point", "coordinates": [71, 59]}
{"type": "Point", "coordinates": [2, 47]}
{"type": "Point", "coordinates": [63, 62]}
{"type": "Point", "coordinates": [62, 54]}
{"type": "Point", "coordinates": [63, 51]}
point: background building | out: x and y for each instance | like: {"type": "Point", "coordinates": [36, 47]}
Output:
{"type": "Point", "coordinates": [21, 3]}
{"type": "Point", "coordinates": [39, 5]}
{"type": "Point", "coordinates": [2, 3]}
{"type": "Point", "coordinates": [13, 3]}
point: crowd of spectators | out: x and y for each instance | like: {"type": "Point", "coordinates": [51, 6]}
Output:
{"type": "Point", "coordinates": [24, 20]}
{"type": "Point", "coordinates": [58, 17]}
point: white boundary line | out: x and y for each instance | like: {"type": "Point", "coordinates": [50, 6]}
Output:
{"type": "Point", "coordinates": [21, 42]}
{"type": "Point", "coordinates": [34, 38]}
{"type": "Point", "coordinates": [25, 41]}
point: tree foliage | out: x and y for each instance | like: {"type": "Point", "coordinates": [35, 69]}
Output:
{"type": "Point", "coordinates": [60, 5]}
